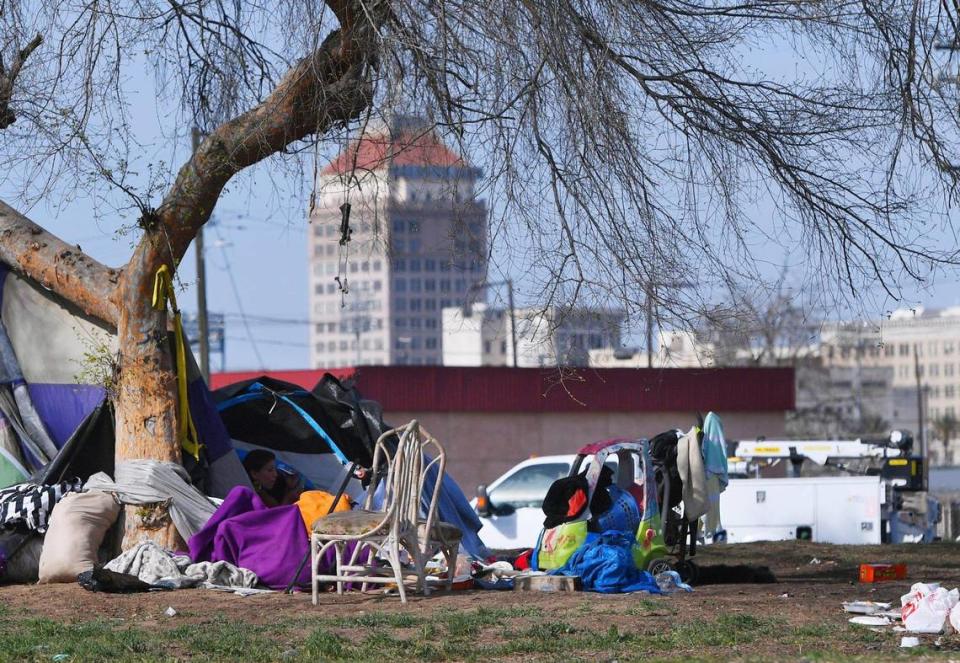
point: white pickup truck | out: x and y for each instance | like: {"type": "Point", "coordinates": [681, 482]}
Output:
{"type": "Point", "coordinates": [826, 509]}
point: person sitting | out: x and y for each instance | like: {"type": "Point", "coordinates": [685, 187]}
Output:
{"type": "Point", "coordinates": [274, 487]}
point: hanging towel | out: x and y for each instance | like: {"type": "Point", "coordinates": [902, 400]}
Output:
{"type": "Point", "coordinates": [715, 449]}
{"type": "Point", "coordinates": [690, 465]}
{"type": "Point", "coordinates": [715, 466]}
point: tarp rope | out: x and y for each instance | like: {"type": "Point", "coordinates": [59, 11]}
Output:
{"type": "Point", "coordinates": [163, 292]}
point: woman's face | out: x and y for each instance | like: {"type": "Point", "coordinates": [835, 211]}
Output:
{"type": "Point", "coordinates": [266, 476]}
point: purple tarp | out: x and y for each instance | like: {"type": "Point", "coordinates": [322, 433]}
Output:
{"type": "Point", "coordinates": [271, 542]}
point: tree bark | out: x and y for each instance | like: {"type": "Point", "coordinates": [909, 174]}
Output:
{"type": "Point", "coordinates": [63, 268]}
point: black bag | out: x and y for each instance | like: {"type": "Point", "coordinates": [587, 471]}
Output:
{"type": "Point", "coordinates": [111, 582]}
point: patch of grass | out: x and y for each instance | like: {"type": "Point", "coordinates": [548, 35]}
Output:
{"type": "Point", "coordinates": [42, 639]}
{"type": "Point", "coordinates": [645, 607]}
{"type": "Point", "coordinates": [376, 620]}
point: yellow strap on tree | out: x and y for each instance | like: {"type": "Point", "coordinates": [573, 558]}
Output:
{"type": "Point", "coordinates": [186, 430]}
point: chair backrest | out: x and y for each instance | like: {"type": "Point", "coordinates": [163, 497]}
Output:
{"type": "Point", "coordinates": [415, 459]}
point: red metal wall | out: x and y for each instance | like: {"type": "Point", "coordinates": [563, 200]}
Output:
{"type": "Point", "coordinates": [502, 389]}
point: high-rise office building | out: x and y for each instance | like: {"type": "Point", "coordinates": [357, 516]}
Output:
{"type": "Point", "coordinates": [417, 244]}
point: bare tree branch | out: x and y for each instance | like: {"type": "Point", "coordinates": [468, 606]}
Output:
{"type": "Point", "coordinates": [8, 78]}
{"type": "Point", "coordinates": [63, 268]}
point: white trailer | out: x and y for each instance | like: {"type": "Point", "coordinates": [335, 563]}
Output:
{"type": "Point", "coordinates": [826, 509]}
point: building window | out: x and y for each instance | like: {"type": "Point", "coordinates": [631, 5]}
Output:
{"type": "Point", "coordinates": [948, 370]}
{"type": "Point", "coordinates": [378, 344]}
{"type": "Point", "coordinates": [430, 285]}
{"type": "Point", "coordinates": [400, 323]}
{"type": "Point", "coordinates": [430, 304]}
{"type": "Point", "coordinates": [376, 265]}
{"type": "Point", "coordinates": [431, 344]}
{"type": "Point", "coordinates": [487, 347]}
{"type": "Point", "coordinates": [461, 285]}
{"type": "Point", "coordinates": [415, 285]}
{"type": "Point", "coordinates": [399, 245]}
{"type": "Point", "coordinates": [414, 265]}
{"type": "Point", "coordinates": [431, 323]}
{"type": "Point", "coordinates": [429, 265]}
{"type": "Point", "coordinates": [934, 370]}
{"type": "Point", "coordinates": [400, 285]}
{"type": "Point", "coordinates": [888, 350]}
{"type": "Point", "coordinates": [365, 266]}
{"type": "Point", "coordinates": [949, 391]}
{"type": "Point", "coordinates": [377, 285]}
{"type": "Point", "coordinates": [444, 285]}
{"type": "Point", "coordinates": [503, 347]}
{"type": "Point", "coordinates": [414, 246]}
{"type": "Point", "coordinates": [398, 225]}
{"type": "Point", "coordinates": [415, 343]}
{"type": "Point", "coordinates": [400, 304]}
{"type": "Point", "coordinates": [416, 305]}
{"type": "Point", "coordinates": [414, 226]}
{"type": "Point", "coordinates": [904, 349]}
{"type": "Point", "coordinates": [330, 249]}
{"type": "Point", "coordinates": [416, 323]}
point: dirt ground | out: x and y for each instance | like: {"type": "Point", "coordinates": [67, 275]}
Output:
{"type": "Point", "coordinates": [813, 581]}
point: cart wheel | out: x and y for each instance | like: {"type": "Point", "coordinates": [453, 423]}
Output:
{"type": "Point", "coordinates": [658, 566]}
{"type": "Point", "coordinates": [689, 573]}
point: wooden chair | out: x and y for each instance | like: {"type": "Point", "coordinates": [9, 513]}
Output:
{"type": "Point", "coordinates": [406, 520]}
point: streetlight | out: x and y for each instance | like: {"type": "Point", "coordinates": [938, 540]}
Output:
{"type": "Point", "coordinates": [513, 317]}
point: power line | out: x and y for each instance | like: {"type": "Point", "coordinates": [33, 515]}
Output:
{"type": "Point", "coordinates": [273, 341]}
{"type": "Point", "coordinates": [236, 294]}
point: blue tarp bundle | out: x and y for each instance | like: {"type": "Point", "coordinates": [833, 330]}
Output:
{"type": "Point", "coordinates": [605, 564]}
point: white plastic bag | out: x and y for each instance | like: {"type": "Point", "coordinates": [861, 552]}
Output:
{"type": "Point", "coordinates": [955, 617]}
{"type": "Point", "coordinates": [926, 607]}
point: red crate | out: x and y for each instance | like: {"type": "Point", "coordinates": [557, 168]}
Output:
{"type": "Point", "coordinates": [882, 572]}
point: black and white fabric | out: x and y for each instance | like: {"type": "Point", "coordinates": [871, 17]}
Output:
{"type": "Point", "coordinates": [30, 505]}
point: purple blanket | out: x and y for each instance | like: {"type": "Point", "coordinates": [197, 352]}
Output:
{"type": "Point", "coordinates": [271, 542]}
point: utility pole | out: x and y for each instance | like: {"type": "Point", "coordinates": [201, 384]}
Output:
{"type": "Point", "coordinates": [649, 302]}
{"type": "Point", "coordinates": [649, 290]}
{"type": "Point", "coordinates": [921, 424]}
{"type": "Point", "coordinates": [513, 315]}
{"type": "Point", "coordinates": [202, 326]}
{"type": "Point", "coordinates": [513, 322]}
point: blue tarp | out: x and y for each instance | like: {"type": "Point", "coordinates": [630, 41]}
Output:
{"type": "Point", "coordinates": [605, 564]}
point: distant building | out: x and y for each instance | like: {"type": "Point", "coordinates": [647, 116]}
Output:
{"type": "Point", "coordinates": [918, 346]}
{"type": "Point", "coordinates": [836, 402]}
{"type": "Point", "coordinates": [418, 244]}
{"type": "Point", "coordinates": [481, 336]}
{"type": "Point", "coordinates": [921, 340]}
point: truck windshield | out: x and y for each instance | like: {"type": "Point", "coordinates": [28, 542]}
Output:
{"type": "Point", "coordinates": [527, 486]}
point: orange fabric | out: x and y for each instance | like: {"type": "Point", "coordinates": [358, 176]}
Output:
{"type": "Point", "coordinates": [316, 503]}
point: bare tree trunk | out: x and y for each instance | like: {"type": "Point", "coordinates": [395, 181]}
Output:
{"type": "Point", "coordinates": [146, 396]}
